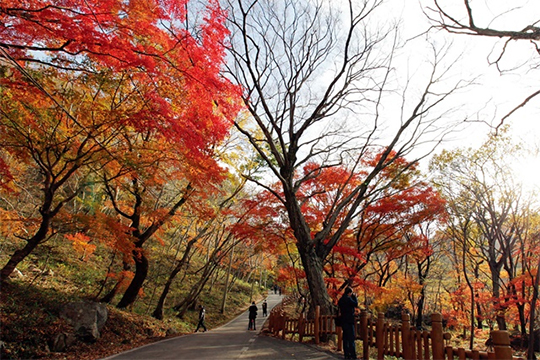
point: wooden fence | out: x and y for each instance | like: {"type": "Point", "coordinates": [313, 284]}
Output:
{"type": "Point", "coordinates": [402, 341]}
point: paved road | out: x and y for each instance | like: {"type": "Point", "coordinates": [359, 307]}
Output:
{"type": "Point", "coordinates": [231, 341]}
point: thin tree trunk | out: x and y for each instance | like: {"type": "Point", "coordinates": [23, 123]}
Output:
{"type": "Point", "coordinates": [422, 275]}
{"type": "Point", "coordinates": [17, 257]}
{"type": "Point", "coordinates": [226, 287]}
{"type": "Point", "coordinates": [102, 287]}
{"type": "Point", "coordinates": [195, 291]}
{"type": "Point", "coordinates": [158, 312]}
{"type": "Point", "coordinates": [111, 294]}
{"type": "Point", "coordinates": [532, 314]}
{"type": "Point", "coordinates": [471, 289]}
{"type": "Point", "coordinates": [479, 324]}
{"type": "Point", "coordinates": [208, 270]}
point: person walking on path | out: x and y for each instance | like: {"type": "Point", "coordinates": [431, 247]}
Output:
{"type": "Point", "coordinates": [202, 313]}
{"type": "Point", "coordinates": [347, 304]}
{"type": "Point", "coordinates": [252, 316]}
{"type": "Point", "coordinates": [230, 341]}
{"type": "Point", "coordinates": [265, 308]}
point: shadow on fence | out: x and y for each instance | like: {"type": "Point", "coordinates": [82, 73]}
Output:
{"type": "Point", "coordinates": [402, 341]}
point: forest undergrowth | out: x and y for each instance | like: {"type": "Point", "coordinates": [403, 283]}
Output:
{"type": "Point", "coordinates": [30, 308]}
{"type": "Point", "coordinates": [30, 322]}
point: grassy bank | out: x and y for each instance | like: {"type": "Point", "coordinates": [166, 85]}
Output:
{"type": "Point", "coordinates": [30, 308]}
{"type": "Point", "coordinates": [30, 322]}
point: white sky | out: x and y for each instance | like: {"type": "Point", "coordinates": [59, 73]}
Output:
{"type": "Point", "coordinates": [496, 93]}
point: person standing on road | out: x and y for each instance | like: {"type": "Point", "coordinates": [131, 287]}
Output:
{"type": "Point", "coordinates": [202, 313]}
{"type": "Point", "coordinates": [265, 308]}
{"type": "Point", "coordinates": [252, 316]}
{"type": "Point", "coordinates": [347, 304]}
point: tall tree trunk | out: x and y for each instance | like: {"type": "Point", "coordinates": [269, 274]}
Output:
{"type": "Point", "coordinates": [420, 308]}
{"type": "Point", "coordinates": [141, 271]}
{"type": "Point", "coordinates": [500, 309]}
{"type": "Point", "coordinates": [313, 267]}
{"type": "Point", "coordinates": [312, 261]}
{"type": "Point", "coordinates": [32, 243]}
{"type": "Point", "coordinates": [479, 324]}
{"type": "Point", "coordinates": [522, 319]}
{"type": "Point", "coordinates": [140, 237]}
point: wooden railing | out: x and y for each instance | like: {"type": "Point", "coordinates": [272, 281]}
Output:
{"type": "Point", "coordinates": [402, 341]}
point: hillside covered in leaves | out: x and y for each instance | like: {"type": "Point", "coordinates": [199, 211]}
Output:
{"type": "Point", "coordinates": [30, 308]}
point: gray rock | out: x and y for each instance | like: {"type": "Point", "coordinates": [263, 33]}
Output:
{"type": "Point", "coordinates": [87, 318]}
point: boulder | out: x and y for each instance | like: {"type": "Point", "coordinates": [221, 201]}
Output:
{"type": "Point", "coordinates": [87, 318]}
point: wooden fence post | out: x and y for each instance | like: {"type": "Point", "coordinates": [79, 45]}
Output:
{"type": "Point", "coordinates": [406, 335]}
{"type": "Point", "coordinates": [379, 340]}
{"type": "Point", "coordinates": [437, 341]}
{"type": "Point", "coordinates": [317, 324]}
{"type": "Point", "coordinates": [501, 345]}
{"type": "Point", "coordinates": [281, 322]}
{"type": "Point", "coordinates": [301, 327]}
{"type": "Point", "coordinates": [364, 333]}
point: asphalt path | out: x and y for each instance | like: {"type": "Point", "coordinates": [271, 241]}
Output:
{"type": "Point", "coordinates": [230, 341]}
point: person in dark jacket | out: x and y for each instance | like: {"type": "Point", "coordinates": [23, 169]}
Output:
{"type": "Point", "coordinates": [252, 316]}
{"type": "Point", "coordinates": [202, 314]}
{"type": "Point", "coordinates": [347, 305]}
{"type": "Point", "coordinates": [265, 308]}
